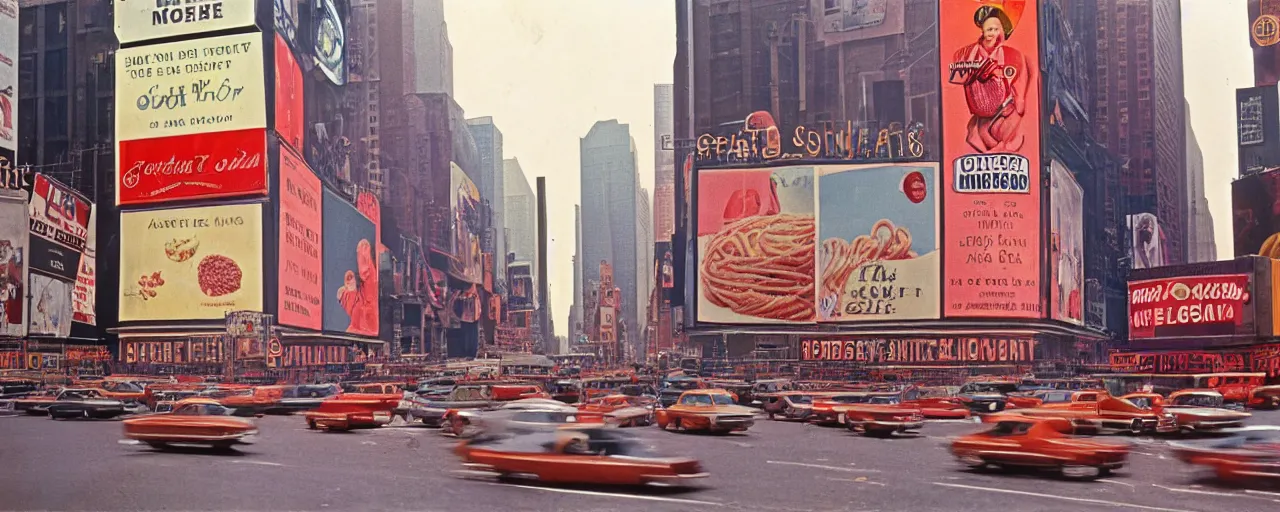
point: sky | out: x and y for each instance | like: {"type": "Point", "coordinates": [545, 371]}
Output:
{"type": "Point", "coordinates": [547, 70]}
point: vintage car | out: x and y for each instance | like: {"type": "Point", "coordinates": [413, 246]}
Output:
{"type": "Point", "coordinates": [302, 398]}
{"type": "Point", "coordinates": [1250, 454]}
{"type": "Point", "coordinates": [199, 421]}
{"type": "Point", "coordinates": [1264, 397]}
{"type": "Point", "coordinates": [164, 401]}
{"type": "Point", "coordinates": [590, 456]}
{"type": "Point", "coordinates": [13, 387]}
{"type": "Point", "coordinates": [439, 412]}
{"type": "Point", "coordinates": [350, 411]}
{"type": "Point", "coordinates": [824, 407]}
{"type": "Point", "coordinates": [1194, 410]}
{"type": "Point", "coordinates": [1038, 443]}
{"type": "Point", "coordinates": [521, 420]}
{"type": "Point", "coordinates": [711, 410]}
{"type": "Point", "coordinates": [984, 397]}
{"type": "Point", "coordinates": [458, 421]}
{"type": "Point", "coordinates": [568, 391]}
{"type": "Point", "coordinates": [879, 419]}
{"type": "Point", "coordinates": [84, 403]}
{"type": "Point", "coordinates": [1105, 414]}
{"type": "Point", "coordinates": [123, 390]}
{"type": "Point", "coordinates": [623, 410]}
{"type": "Point", "coordinates": [790, 405]}
{"type": "Point", "coordinates": [931, 406]}
{"type": "Point", "coordinates": [7, 408]}
{"type": "Point", "coordinates": [37, 403]}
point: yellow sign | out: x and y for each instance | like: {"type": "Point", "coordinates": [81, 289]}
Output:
{"type": "Point", "coordinates": [197, 86]}
{"type": "Point", "coordinates": [141, 20]}
{"type": "Point", "coordinates": [1266, 30]}
{"type": "Point", "coordinates": [190, 263]}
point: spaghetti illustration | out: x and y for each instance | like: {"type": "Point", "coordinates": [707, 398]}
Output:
{"type": "Point", "coordinates": [762, 266]}
{"type": "Point", "coordinates": [841, 258]}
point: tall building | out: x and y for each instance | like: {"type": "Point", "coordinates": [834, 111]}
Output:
{"type": "Point", "coordinates": [427, 50]}
{"type": "Point", "coordinates": [609, 199]}
{"type": "Point", "coordinates": [521, 204]}
{"type": "Point", "coordinates": [1201, 245]}
{"type": "Point", "coordinates": [1138, 110]}
{"type": "Point", "coordinates": [575, 314]}
{"type": "Point", "coordinates": [664, 162]}
{"type": "Point", "coordinates": [644, 270]}
{"type": "Point", "coordinates": [365, 80]}
{"type": "Point", "coordinates": [489, 178]}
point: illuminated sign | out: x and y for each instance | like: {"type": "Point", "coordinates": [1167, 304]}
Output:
{"type": "Point", "coordinates": [760, 140]}
{"type": "Point", "coordinates": [938, 350]}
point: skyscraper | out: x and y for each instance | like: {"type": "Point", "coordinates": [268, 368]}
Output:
{"type": "Point", "coordinates": [490, 181]}
{"type": "Point", "coordinates": [664, 162]}
{"type": "Point", "coordinates": [1201, 245]}
{"type": "Point", "coordinates": [521, 204]}
{"type": "Point", "coordinates": [575, 319]}
{"type": "Point", "coordinates": [609, 203]}
{"type": "Point", "coordinates": [644, 268]}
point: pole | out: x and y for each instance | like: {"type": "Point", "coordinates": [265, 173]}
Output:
{"type": "Point", "coordinates": [543, 303]}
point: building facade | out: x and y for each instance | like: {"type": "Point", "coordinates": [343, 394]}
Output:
{"type": "Point", "coordinates": [490, 178]}
{"type": "Point", "coordinates": [664, 162]}
{"type": "Point", "coordinates": [609, 203]}
{"type": "Point", "coordinates": [522, 222]}
{"type": "Point", "coordinates": [1201, 243]}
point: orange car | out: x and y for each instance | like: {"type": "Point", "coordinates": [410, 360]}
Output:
{"type": "Point", "coordinates": [193, 421]}
{"type": "Point", "coordinates": [1038, 443]}
{"type": "Point", "coordinates": [353, 411]}
{"type": "Point", "coordinates": [1264, 397]}
{"type": "Point", "coordinates": [623, 410]}
{"type": "Point", "coordinates": [593, 456]}
{"type": "Point", "coordinates": [1106, 413]}
{"type": "Point", "coordinates": [1253, 453]}
{"type": "Point", "coordinates": [1195, 410]}
{"type": "Point", "coordinates": [711, 410]}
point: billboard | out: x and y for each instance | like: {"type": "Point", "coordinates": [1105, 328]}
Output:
{"type": "Point", "coordinates": [991, 150]}
{"type": "Point", "coordinates": [301, 240]}
{"type": "Point", "coordinates": [142, 20]}
{"type": "Point", "coordinates": [1211, 305]}
{"type": "Point", "coordinates": [350, 269]}
{"type": "Point", "coordinates": [1144, 241]}
{"type": "Point", "coordinates": [608, 324]}
{"type": "Point", "coordinates": [1255, 221]}
{"type": "Point", "coordinates": [59, 224]}
{"type": "Point", "coordinates": [756, 242]}
{"type": "Point", "coordinates": [926, 350]}
{"type": "Point", "coordinates": [9, 79]}
{"type": "Point", "coordinates": [196, 166]}
{"type": "Point", "coordinates": [520, 281]}
{"type": "Point", "coordinates": [663, 270]}
{"type": "Point", "coordinates": [1066, 220]}
{"type": "Point", "coordinates": [852, 20]}
{"type": "Point", "coordinates": [51, 309]}
{"type": "Point", "coordinates": [465, 211]}
{"type": "Point", "coordinates": [86, 289]}
{"type": "Point", "coordinates": [878, 243]}
{"type": "Point", "coordinates": [1258, 128]}
{"type": "Point", "coordinates": [330, 45]}
{"type": "Point", "coordinates": [13, 263]}
{"type": "Point", "coordinates": [190, 263]}
{"type": "Point", "coordinates": [195, 86]}
{"type": "Point", "coordinates": [289, 104]}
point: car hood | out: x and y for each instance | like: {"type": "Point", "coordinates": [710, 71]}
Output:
{"type": "Point", "coordinates": [1207, 412]}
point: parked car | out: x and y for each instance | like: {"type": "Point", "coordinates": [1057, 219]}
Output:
{"type": "Point", "coordinates": [710, 410]}
{"type": "Point", "coordinates": [1250, 454]}
{"type": "Point", "coordinates": [200, 421]}
{"type": "Point", "coordinates": [353, 411]}
{"type": "Point", "coordinates": [1038, 443]}
{"type": "Point", "coordinates": [1194, 410]}
{"type": "Point", "coordinates": [84, 403]}
{"type": "Point", "coordinates": [790, 405]}
{"type": "Point", "coordinates": [37, 403]}
{"type": "Point", "coordinates": [1105, 413]}
{"type": "Point", "coordinates": [623, 410]}
{"type": "Point", "coordinates": [1264, 397]}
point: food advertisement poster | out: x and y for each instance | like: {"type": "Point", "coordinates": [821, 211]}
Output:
{"type": "Point", "coordinates": [142, 20]}
{"type": "Point", "coordinates": [991, 153]}
{"type": "Point", "coordinates": [59, 225]}
{"type": "Point", "coordinates": [877, 243]}
{"type": "Point", "coordinates": [50, 306]}
{"type": "Point", "coordinates": [756, 239]}
{"type": "Point", "coordinates": [190, 263]}
{"type": "Point", "coordinates": [464, 210]}
{"type": "Point", "coordinates": [289, 104]}
{"type": "Point", "coordinates": [301, 240]}
{"type": "Point", "coordinates": [1255, 218]}
{"type": "Point", "coordinates": [1066, 219]}
{"type": "Point", "coordinates": [195, 86]}
{"type": "Point", "coordinates": [197, 166]}
{"type": "Point", "coordinates": [13, 263]}
{"type": "Point", "coordinates": [1147, 241]}
{"type": "Point", "coordinates": [1214, 305]}
{"type": "Point", "coordinates": [350, 269]}
{"type": "Point", "coordinates": [85, 294]}
{"type": "Point", "coordinates": [9, 77]}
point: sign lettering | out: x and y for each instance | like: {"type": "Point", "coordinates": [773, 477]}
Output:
{"type": "Point", "coordinates": [939, 350]}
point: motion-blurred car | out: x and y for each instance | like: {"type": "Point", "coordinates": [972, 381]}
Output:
{"type": "Point", "coordinates": [1038, 443]}
{"type": "Point", "coordinates": [1264, 397]}
{"type": "Point", "coordinates": [199, 421]}
{"type": "Point", "coordinates": [595, 456]}
{"type": "Point", "coordinates": [84, 404]}
{"type": "Point", "coordinates": [37, 403]}
{"type": "Point", "coordinates": [790, 405]}
{"type": "Point", "coordinates": [710, 410]}
{"type": "Point", "coordinates": [1194, 410]}
{"type": "Point", "coordinates": [352, 411]}
{"type": "Point", "coordinates": [623, 410]}
{"type": "Point", "coordinates": [1250, 454]}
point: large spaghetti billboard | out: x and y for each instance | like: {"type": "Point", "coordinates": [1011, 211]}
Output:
{"type": "Point", "coordinates": [991, 152]}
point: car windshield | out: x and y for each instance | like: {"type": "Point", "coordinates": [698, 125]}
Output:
{"type": "Point", "coordinates": [850, 399]}
{"type": "Point", "coordinates": [723, 399]}
{"type": "Point", "coordinates": [1199, 400]}
{"type": "Point", "coordinates": [1142, 402]}
{"type": "Point", "coordinates": [1010, 428]}
{"type": "Point", "coordinates": [989, 387]}
{"type": "Point", "coordinates": [801, 399]}
{"type": "Point", "coordinates": [884, 400]}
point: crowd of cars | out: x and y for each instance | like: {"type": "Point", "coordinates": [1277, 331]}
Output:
{"type": "Point", "coordinates": [517, 428]}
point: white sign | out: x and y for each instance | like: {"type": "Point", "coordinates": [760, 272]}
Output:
{"type": "Point", "coordinates": [142, 20]}
{"type": "Point", "coordinates": [199, 86]}
{"type": "Point", "coordinates": [9, 75]}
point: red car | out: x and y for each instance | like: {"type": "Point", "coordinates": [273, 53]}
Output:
{"type": "Point", "coordinates": [193, 421]}
{"type": "Point", "coordinates": [353, 411]}
{"type": "Point", "coordinates": [1038, 443]}
{"type": "Point", "coordinates": [1251, 454]}
{"type": "Point", "coordinates": [593, 456]}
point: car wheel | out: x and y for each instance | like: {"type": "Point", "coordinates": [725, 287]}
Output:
{"type": "Point", "coordinates": [1104, 471]}
{"type": "Point", "coordinates": [1081, 472]}
{"type": "Point", "coordinates": [311, 425]}
{"type": "Point", "coordinates": [973, 462]}
{"type": "Point", "coordinates": [677, 424]}
{"type": "Point", "coordinates": [157, 445]}
{"type": "Point", "coordinates": [1136, 426]}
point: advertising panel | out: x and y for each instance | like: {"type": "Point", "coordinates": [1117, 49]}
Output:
{"type": "Point", "coordinates": [1255, 221]}
{"type": "Point", "coordinates": [190, 263]}
{"type": "Point", "coordinates": [762, 140]}
{"type": "Point", "coordinates": [1145, 241]}
{"type": "Point", "coordinates": [197, 166]}
{"type": "Point", "coordinates": [1258, 128]}
{"type": "Point", "coordinates": [608, 324]}
{"type": "Point", "coordinates": [1066, 218]}
{"type": "Point", "coordinates": [742, 216]}
{"type": "Point", "coordinates": [850, 20]}
{"type": "Point", "coordinates": [289, 104]}
{"type": "Point", "coordinates": [13, 263]}
{"type": "Point", "coordinates": [350, 269]}
{"type": "Point", "coordinates": [195, 86]}
{"type": "Point", "coordinates": [878, 257]}
{"type": "Point", "coordinates": [330, 48]}
{"type": "Point", "coordinates": [930, 350]}
{"type": "Point", "coordinates": [50, 306]}
{"type": "Point", "coordinates": [59, 225]}
{"type": "Point", "coordinates": [301, 240]}
{"type": "Point", "coordinates": [199, 350]}
{"type": "Point", "coordinates": [991, 149]}
{"type": "Point", "coordinates": [1261, 358]}
{"type": "Point", "coordinates": [520, 279]}
{"type": "Point", "coordinates": [369, 206]}
{"type": "Point", "coordinates": [286, 19]}
{"type": "Point", "coordinates": [464, 209]}
{"type": "Point", "coordinates": [1213, 305]}
{"type": "Point", "coordinates": [9, 79]}
{"type": "Point", "coordinates": [86, 289]}
{"type": "Point", "coordinates": [142, 20]}
{"type": "Point", "coordinates": [663, 270]}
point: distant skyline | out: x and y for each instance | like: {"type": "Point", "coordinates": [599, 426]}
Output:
{"type": "Point", "coordinates": [547, 70]}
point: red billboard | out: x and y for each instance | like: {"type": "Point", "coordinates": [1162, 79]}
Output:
{"type": "Point", "coordinates": [195, 166]}
{"type": "Point", "coordinates": [924, 350]}
{"type": "Point", "coordinates": [301, 240]}
{"type": "Point", "coordinates": [289, 107]}
{"type": "Point", "coordinates": [1211, 305]}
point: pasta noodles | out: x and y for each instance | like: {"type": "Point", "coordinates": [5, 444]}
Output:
{"type": "Point", "coordinates": [840, 258]}
{"type": "Point", "coordinates": [763, 267]}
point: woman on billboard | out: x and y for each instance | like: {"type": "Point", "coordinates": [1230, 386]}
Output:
{"type": "Point", "coordinates": [996, 77]}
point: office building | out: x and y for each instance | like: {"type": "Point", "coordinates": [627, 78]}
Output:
{"type": "Point", "coordinates": [610, 205]}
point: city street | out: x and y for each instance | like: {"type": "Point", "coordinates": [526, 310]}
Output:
{"type": "Point", "coordinates": [66, 465]}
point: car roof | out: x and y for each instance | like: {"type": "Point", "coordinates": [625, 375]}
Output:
{"type": "Point", "coordinates": [198, 400]}
{"type": "Point", "coordinates": [710, 391]}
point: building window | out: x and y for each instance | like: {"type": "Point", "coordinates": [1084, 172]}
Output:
{"type": "Point", "coordinates": [55, 70]}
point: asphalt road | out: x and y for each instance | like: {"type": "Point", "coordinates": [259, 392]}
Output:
{"type": "Point", "coordinates": [777, 466]}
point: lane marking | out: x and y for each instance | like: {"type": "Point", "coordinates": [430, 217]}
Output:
{"type": "Point", "coordinates": [1114, 482]}
{"type": "Point", "coordinates": [820, 466]}
{"type": "Point", "coordinates": [256, 462]}
{"type": "Point", "coordinates": [1065, 498]}
{"type": "Point", "coordinates": [859, 480]}
{"type": "Point", "coordinates": [1214, 493]}
{"type": "Point", "coordinates": [612, 495]}
{"type": "Point", "coordinates": [1264, 493]}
